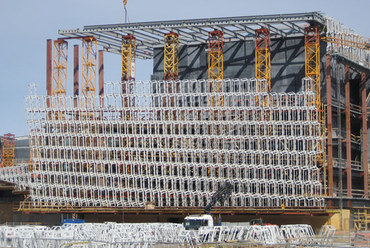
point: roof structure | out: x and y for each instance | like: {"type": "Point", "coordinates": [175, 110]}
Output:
{"type": "Point", "coordinates": [195, 31]}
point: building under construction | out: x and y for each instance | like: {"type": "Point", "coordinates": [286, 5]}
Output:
{"type": "Point", "coordinates": [276, 105]}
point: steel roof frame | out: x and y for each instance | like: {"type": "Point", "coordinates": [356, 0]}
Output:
{"type": "Point", "coordinates": [150, 35]}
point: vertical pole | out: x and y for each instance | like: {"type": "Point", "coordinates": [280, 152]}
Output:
{"type": "Point", "coordinates": [364, 135]}
{"type": "Point", "coordinates": [348, 132]}
{"type": "Point", "coordinates": [101, 78]}
{"type": "Point", "coordinates": [330, 124]}
{"type": "Point", "coordinates": [76, 71]}
{"type": "Point", "coordinates": [49, 58]}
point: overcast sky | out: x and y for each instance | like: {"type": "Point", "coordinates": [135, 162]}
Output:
{"type": "Point", "coordinates": [26, 24]}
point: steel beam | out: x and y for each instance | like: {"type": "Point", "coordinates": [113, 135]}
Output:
{"type": "Point", "coordinates": [330, 124]}
{"type": "Point", "coordinates": [150, 34]}
{"type": "Point", "coordinates": [101, 77]}
{"type": "Point", "coordinates": [49, 57]}
{"type": "Point", "coordinates": [364, 135]}
{"type": "Point", "coordinates": [76, 71]}
{"type": "Point", "coordinates": [348, 132]}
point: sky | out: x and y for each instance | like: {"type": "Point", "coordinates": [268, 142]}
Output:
{"type": "Point", "coordinates": [25, 25]}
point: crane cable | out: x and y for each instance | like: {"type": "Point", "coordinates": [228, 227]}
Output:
{"type": "Point", "coordinates": [124, 6]}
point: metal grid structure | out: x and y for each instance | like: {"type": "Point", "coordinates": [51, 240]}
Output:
{"type": "Point", "coordinates": [344, 41]}
{"type": "Point", "coordinates": [262, 55]}
{"type": "Point", "coordinates": [8, 148]}
{"type": "Point", "coordinates": [128, 54]}
{"type": "Point", "coordinates": [170, 146]}
{"type": "Point", "coordinates": [216, 56]}
{"type": "Point", "coordinates": [59, 79]}
{"type": "Point", "coordinates": [151, 34]}
{"type": "Point", "coordinates": [171, 56]}
{"type": "Point", "coordinates": [88, 74]}
{"type": "Point", "coordinates": [112, 234]}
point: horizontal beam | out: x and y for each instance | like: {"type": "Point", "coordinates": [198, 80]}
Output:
{"type": "Point", "coordinates": [150, 34]}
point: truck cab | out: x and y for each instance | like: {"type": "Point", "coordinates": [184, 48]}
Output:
{"type": "Point", "coordinates": [194, 222]}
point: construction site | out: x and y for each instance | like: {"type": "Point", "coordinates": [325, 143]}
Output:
{"type": "Point", "coordinates": [274, 105]}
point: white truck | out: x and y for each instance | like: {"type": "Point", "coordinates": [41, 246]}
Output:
{"type": "Point", "coordinates": [194, 222]}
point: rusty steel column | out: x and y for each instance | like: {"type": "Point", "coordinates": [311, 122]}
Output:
{"type": "Point", "coordinates": [101, 78]}
{"type": "Point", "coordinates": [330, 124]}
{"type": "Point", "coordinates": [49, 58]}
{"type": "Point", "coordinates": [364, 135]}
{"type": "Point", "coordinates": [76, 71]}
{"type": "Point", "coordinates": [348, 132]}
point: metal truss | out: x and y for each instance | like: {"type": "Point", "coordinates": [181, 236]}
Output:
{"type": "Point", "coordinates": [8, 148]}
{"type": "Point", "coordinates": [262, 55]}
{"type": "Point", "coordinates": [18, 175]}
{"type": "Point", "coordinates": [171, 56]}
{"type": "Point", "coordinates": [151, 34]}
{"type": "Point", "coordinates": [312, 60]}
{"type": "Point", "coordinates": [128, 53]}
{"type": "Point", "coordinates": [176, 149]}
{"type": "Point", "coordinates": [216, 64]}
{"type": "Point", "coordinates": [89, 53]}
{"type": "Point", "coordinates": [344, 41]}
{"type": "Point", "coordinates": [59, 80]}
{"type": "Point", "coordinates": [216, 56]}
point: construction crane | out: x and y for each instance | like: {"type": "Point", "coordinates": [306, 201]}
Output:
{"type": "Point", "coordinates": [194, 222]}
{"type": "Point", "coordinates": [221, 195]}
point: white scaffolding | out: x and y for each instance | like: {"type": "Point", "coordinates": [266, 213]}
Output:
{"type": "Point", "coordinates": [171, 147]}
{"type": "Point", "coordinates": [160, 235]}
{"type": "Point", "coordinates": [348, 43]}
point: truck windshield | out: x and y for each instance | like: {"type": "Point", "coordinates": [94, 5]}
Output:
{"type": "Point", "coordinates": [194, 224]}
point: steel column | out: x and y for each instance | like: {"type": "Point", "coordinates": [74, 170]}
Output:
{"type": "Point", "coordinates": [330, 124]}
{"type": "Point", "coordinates": [49, 54]}
{"type": "Point", "coordinates": [348, 132]}
{"type": "Point", "coordinates": [76, 71]}
{"type": "Point", "coordinates": [101, 77]}
{"type": "Point", "coordinates": [364, 135]}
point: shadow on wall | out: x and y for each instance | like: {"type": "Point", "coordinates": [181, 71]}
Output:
{"type": "Point", "coordinates": [287, 62]}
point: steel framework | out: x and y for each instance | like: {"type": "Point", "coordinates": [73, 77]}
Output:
{"type": "Point", "coordinates": [151, 34]}
{"type": "Point", "coordinates": [216, 56]}
{"type": "Point", "coordinates": [88, 74]}
{"type": "Point", "coordinates": [59, 74]}
{"type": "Point", "coordinates": [312, 61]}
{"type": "Point", "coordinates": [216, 64]}
{"type": "Point", "coordinates": [176, 149]}
{"type": "Point", "coordinates": [128, 53]}
{"type": "Point", "coordinates": [8, 150]}
{"type": "Point", "coordinates": [262, 55]}
{"type": "Point", "coordinates": [171, 56]}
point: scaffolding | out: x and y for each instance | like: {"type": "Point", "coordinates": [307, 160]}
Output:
{"type": "Point", "coordinates": [176, 150]}
{"type": "Point", "coordinates": [344, 41]}
{"type": "Point", "coordinates": [215, 55]}
{"type": "Point", "coordinates": [8, 143]}
{"type": "Point", "coordinates": [128, 53]}
{"type": "Point", "coordinates": [262, 55]}
{"type": "Point", "coordinates": [312, 61]}
{"type": "Point", "coordinates": [89, 53]}
{"type": "Point", "coordinates": [215, 64]}
{"type": "Point", "coordinates": [59, 74]}
{"type": "Point", "coordinates": [171, 56]}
